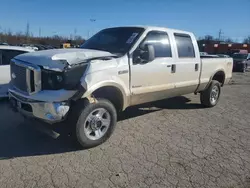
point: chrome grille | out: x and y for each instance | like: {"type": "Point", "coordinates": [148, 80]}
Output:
{"type": "Point", "coordinates": [25, 77]}
{"type": "Point", "coordinates": [18, 77]}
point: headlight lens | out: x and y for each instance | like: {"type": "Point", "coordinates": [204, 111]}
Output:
{"type": "Point", "coordinates": [69, 79]}
{"type": "Point", "coordinates": [52, 80]}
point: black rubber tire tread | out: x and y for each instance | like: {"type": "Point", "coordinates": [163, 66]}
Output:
{"type": "Point", "coordinates": [80, 113]}
{"type": "Point", "coordinates": [243, 68]}
{"type": "Point", "coordinates": [205, 95]}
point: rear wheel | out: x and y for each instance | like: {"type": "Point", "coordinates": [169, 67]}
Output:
{"type": "Point", "coordinates": [211, 95]}
{"type": "Point", "coordinates": [95, 123]}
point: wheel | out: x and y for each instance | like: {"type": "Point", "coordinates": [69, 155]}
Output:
{"type": "Point", "coordinates": [211, 95]}
{"type": "Point", "coordinates": [95, 122]}
{"type": "Point", "coordinates": [243, 69]}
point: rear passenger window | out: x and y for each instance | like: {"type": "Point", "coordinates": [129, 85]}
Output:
{"type": "Point", "coordinates": [184, 45]}
{"type": "Point", "coordinates": [161, 43]}
{"type": "Point", "coordinates": [7, 55]}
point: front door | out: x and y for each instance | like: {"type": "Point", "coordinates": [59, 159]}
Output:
{"type": "Point", "coordinates": [151, 80]}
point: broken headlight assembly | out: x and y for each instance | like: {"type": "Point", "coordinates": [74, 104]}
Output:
{"type": "Point", "coordinates": [69, 79]}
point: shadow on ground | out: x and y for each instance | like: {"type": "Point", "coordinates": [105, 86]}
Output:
{"type": "Point", "coordinates": [176, 103]}
{"type": "Point", "coordinates": [20, 137]}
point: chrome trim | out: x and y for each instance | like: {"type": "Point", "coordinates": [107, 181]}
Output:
{"type": "Point", "coordinates": [37, 76]}
{"type": "Point", "coordinates": [28, 81]}
{"type": "Point", "coordinates": [40, 110]}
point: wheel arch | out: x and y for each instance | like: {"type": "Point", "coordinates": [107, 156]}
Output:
{"type": "Point", "coordinates": [219, 76]}
{"type": "Point", "coordinates": [111, 91]}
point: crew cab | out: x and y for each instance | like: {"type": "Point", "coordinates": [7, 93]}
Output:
{"type": "Point", "coordinates": [6, 54]}
{"type": "Point", "coordinates": [116, 68]}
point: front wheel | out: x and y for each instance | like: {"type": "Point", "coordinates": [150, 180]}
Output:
{"type": "Point", "coordinates": [211, 95]}
{"type": "Point", "coordinates": [96, 123]}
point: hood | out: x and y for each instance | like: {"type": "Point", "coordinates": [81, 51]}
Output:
{"type": "Point", "coordinates": [57, 59]}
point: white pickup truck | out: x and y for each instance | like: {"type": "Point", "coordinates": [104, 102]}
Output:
{"type": "Point", "coordinates": [116, 68]}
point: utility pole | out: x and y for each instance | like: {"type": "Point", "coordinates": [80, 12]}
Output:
{"type": "Point", "coordinates": [40, 32]}
{"type": "Point", "coordinates": [91, 21]}
{"type": "Point", "coordinates": [220, 34]}
{"type": "Point", "coordinates": [27, 31]}
{"type": "Point", "coordinates": [75, 31]}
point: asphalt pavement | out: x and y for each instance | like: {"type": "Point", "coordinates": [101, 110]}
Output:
{"type": "Point", "coordinates": [170, 143]}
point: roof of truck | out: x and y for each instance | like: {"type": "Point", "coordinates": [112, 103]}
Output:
{"type": "Point", "coordinates": [6, 47]}
{"type": "Point", "coordinates": [157, 28]}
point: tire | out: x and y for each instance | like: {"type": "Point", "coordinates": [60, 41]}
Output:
{"type": "Point", "coordinates": [205, 96]}
{"type": "Point", "coordinates": [243, 69]}
{"type": "Point", "coordinates": [87, 116]}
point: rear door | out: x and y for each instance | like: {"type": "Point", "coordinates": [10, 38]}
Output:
{"type": "Point", "coordinates": [5, 57]}
{"type": "Point", "coordinates": [188, 64]}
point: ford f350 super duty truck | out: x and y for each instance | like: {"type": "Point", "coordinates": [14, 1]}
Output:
{"type": "Point", "coordinates": [116, 68]}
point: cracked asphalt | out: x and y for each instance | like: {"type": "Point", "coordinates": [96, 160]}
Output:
{"type": "Point", "coordinates": [171, 143]}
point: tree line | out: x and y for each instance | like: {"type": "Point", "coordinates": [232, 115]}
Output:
{"type": "Point", "coordinates": [208, 39]}
{"type": "Point", "coordinates": [26, 38]}
{"type": "Point", "coordinates": [56, 40]}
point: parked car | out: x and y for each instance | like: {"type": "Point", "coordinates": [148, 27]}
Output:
{"type": "Point", "coordinates": [6, 54]}
{"type": "Point", "coordinates": [203, 53]}
{"type": "Point", "coordinates": [4, 44]}
{"type": "Point", "coordinates": [209, 56]}
{"type": "Point", "coordinates": [241, 61]}
{"type": "Point", "coordinates": [223, 55]}
{"type": "Point", "coordinates": [116, 68]}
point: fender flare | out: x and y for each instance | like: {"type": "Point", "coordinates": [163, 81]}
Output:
{"type": "Point", "coordinates": [110, 83]}
{"type": "Point", "coordinates": [215, 72]}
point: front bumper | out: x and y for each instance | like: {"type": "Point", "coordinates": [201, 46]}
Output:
{"type": "Point", "coordinates": [50, 112]}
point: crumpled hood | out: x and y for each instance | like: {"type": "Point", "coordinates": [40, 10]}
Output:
{"type": "Point", "coordinates": [55, 59]}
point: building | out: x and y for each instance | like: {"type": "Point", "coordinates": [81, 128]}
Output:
{"type": "Point", "coordinates": [223, 48]}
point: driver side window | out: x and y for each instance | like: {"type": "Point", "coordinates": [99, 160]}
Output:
{"type": "Point", "coordinates": [160, 41]}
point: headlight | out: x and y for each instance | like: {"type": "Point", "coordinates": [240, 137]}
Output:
{"type": "Point", "coordinates": [52, 80]}
{"type": "Point", "coordinates": [69, 79]}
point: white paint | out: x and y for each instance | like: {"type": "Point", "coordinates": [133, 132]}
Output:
{"type": "Point", "coordinates": [5, 69]}
{"type": "Point", "coordinates": [142, 83]}
{"type": "Point", "coordinates": [4, 79]}
{"type": "Point", "coordinates": [57, 59]}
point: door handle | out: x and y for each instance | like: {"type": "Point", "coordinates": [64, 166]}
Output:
{"type": "Point", "coordinates": [196, 68]}
{"type": "Point", "coordinates": [173, 68]}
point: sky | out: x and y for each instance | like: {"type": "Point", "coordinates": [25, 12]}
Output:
{"type": "Point", "coordinates": [73, 17]}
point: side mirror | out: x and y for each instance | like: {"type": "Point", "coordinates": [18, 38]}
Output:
{"type": "Point", "coordinates": [144, 54]}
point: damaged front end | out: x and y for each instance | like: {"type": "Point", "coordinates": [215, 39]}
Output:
{"type": "Point", "coordinates": [50, 112]}
{"type": "Point", "coordinates": [45, 94]}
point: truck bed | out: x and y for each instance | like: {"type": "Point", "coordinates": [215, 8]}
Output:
{"type": "Point", "coordinates": [210, 66]}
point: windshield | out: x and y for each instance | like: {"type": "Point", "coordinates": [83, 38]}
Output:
{"type": "Point", "coordinates": [239, 56]}
{"type": "Point", "coordinates": [114, 40]}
